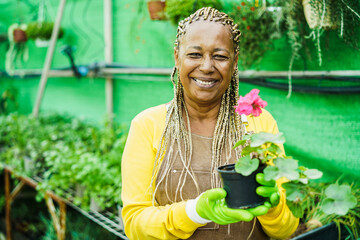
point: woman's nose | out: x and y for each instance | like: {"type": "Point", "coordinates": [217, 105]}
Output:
{"type": "Point", "coordinates": [207, 64]}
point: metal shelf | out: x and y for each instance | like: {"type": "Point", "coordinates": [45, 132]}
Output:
{"type": "Point", "coordinates": [108, 220]}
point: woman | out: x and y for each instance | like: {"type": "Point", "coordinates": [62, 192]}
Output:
{"type": "Point", "coordinates": [173, 150]}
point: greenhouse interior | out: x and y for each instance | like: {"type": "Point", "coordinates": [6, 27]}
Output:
{"type": "Point", "coordinates": [101, 98]}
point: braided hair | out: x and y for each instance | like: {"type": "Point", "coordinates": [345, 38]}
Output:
{"type": "Point", "coordinates": [228, 127]}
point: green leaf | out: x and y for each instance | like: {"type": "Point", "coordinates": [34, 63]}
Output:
{"type": "Point", "coordinates": [282, 168]}
{"type": "Point", "coordinates": [313, 173]}
{"type": "Point", "coordinates": [239, 143]}
{"type": "Point", "coordinates": [247, 150]}
{"type": "Point", "coordinates": [287, 168]}
{"type": "Point", "coordinates": [274, 149]}
{"type": "Point", "coordinates": [246, 166]}
{"type": "Point", "coordinates": [339, 199]}
{"type": "Point", "coordinates": [271, 173]}
{"type": "Point", "coordinates": [260, 138]}
{"type": "Point", "coordinates": [294, 192]}
{"type": "Point", "coordinates": [296, 209]}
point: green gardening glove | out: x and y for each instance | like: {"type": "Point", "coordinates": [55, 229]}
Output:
{"type": "Point", "coordinates": [211, 205]}
{"type": "Point", "coordinates": [268, 190]}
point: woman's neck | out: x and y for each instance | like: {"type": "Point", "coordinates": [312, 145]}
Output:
{"type": "Point", "coordinates": [202, 118]}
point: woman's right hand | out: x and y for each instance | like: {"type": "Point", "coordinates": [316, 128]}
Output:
{"type": "Point", "coordinates": [211, 205]}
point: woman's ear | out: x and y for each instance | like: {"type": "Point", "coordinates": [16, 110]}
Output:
{"type": "Point", "coordinates": [236, 59]}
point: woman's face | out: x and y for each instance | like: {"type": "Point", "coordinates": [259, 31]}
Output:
{"type": "Point", "coordinates": [206, 61]}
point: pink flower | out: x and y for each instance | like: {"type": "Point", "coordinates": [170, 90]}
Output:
{"type": "Point", "coordinates": [251, 103]}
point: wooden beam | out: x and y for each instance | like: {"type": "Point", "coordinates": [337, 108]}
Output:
{"type": "Point", "coordinates": [108, 38]}
{"type": "Point", "coordinates": [58, 222]}
{"type": "Point", "coordinates": [49, 57]}
{"type": "Point", "coordinates": [7, 205]}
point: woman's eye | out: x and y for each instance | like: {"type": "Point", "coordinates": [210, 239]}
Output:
{"type": "Point", "coordinates": [221, 57]}
{"type": "Point", "coordinates": [194, 55]}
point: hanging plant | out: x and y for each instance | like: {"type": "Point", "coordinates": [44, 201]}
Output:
{"type": "Point", "coordinates": [156, 9]}
{"type": "Point", "coordinates": [258, 30]}
{"type": "Point", "coordinates": [41, 30]}
{"type": "Point", "coordinates": [18, 51]}
{"type": "Point", "coordinates": [177, 10]}
{"type": "Point", "coordinates": [309, 19]}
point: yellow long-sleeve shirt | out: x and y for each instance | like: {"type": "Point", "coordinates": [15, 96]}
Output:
{"type": "Point", "coordinates": [144, 221]}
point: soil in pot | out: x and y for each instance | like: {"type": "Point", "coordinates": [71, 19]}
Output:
{"type": "Point", "coordinates": [241, 190]}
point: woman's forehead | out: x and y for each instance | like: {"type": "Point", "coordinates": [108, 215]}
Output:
{"type": "Point", "coordinates": [203, 25]}
{"type": "Point", "coordinates": [208, 30]}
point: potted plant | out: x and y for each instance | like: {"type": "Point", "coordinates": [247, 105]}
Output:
{"type": "Point", "coordinates": [258, 30]}
{"type": "Point", "coordinates": [260, 153]}
{"type": "Point", "coordinates": [326, 210]}
{"type": "Point", "coordinates": [317, 14]}
{"type": "Point", "coordinates": [177, 10]}
{"type": "Point", "coordinates": [41, 32]}
{"type": "Point", "coordinates": [309, 19]}
{"type": "Point", "coordinates": [156, 9]}
{"type": "Point", "coordinates": [18, 51]}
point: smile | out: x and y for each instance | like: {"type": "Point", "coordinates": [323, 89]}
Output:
{"type": "Point", "coordinates": [205, 84]}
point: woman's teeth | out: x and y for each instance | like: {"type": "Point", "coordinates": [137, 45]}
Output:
{"type": "Point", "coordinates": [207, 83]}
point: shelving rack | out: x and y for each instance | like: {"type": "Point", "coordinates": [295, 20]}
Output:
{"type": "Point", "coordinates": [104, 219]}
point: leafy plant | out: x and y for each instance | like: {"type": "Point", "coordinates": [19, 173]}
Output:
{"type": "Point", "coordinates": [66, 153]}
{"type": "Point", "coordinates": [8, 100]}
{"type": "Point", "coordinates": [41, 30]}
{"type": "Point", "coordinates": [259, 27]}
{"type": "Point", "coordinates": [177, 10]}
{"type": "Point", "coordinates": [262, 149]}
{"type": "Point", "coordinates": [318, 204]}
{"type": "Point", "coordinates": [343, 15]}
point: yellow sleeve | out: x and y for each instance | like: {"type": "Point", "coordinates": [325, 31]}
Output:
{"type": "Point", "coordinates": [279, 222]}
{"type": "Point", "coordinates": [142, 220]}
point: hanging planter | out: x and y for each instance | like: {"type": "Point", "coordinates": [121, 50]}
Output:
{"type": "Point", "coordinates": [315, 15]}
{"type": "Point", "coordinates": [19, 35]}
{"type": "Point", "coordinates": [156, 10]}
{"type": "Point", "coordinates": [41, 32]}
{"type": "Point", "coordinates": [241, 190]}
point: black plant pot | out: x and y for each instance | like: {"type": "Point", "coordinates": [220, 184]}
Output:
{"type": "Point", "coordinates": [241, 190]}
{"type": "Point", "coordinates": [329, 232]}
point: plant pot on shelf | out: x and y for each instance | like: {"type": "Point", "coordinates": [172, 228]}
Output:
{"type": "Point", "coordinates": [156, 10]}
{"type": "Point", "coordinates": [241, 190]}
{"type": "Point", "coordinates": [313, 15]}
{"type": "Point", "coordinates": [329, 232]}
{"type": "Point", "coordinates": [19, 35]}
{"type": "Point", "coordinates": [29, 165]}
{"type": "Point", "coordinates": [94, 206]}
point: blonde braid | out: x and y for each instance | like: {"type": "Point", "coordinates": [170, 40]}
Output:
{"type": "Point", "coordinates": [228, 127]}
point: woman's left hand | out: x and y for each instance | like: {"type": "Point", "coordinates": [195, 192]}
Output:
{"type": "Point", "coordinates": [268, 190]}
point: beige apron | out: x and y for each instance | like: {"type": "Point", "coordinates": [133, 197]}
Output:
{"type": "Point", "coordinates": [201, 166]}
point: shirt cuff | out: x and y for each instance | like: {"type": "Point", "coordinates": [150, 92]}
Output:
{"type": "Point", "coordinates": [190, 209]}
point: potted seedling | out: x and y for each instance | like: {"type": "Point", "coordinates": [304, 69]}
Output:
{"type": "Point", "coordinates": [260, 153]}
{"type": "Point", "coordinates": [326, 210]}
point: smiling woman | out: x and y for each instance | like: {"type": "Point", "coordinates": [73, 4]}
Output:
{"type": "Point", "coordinates": [171, 189]}
{"type": "Point", "coordinates": [206, 61]}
